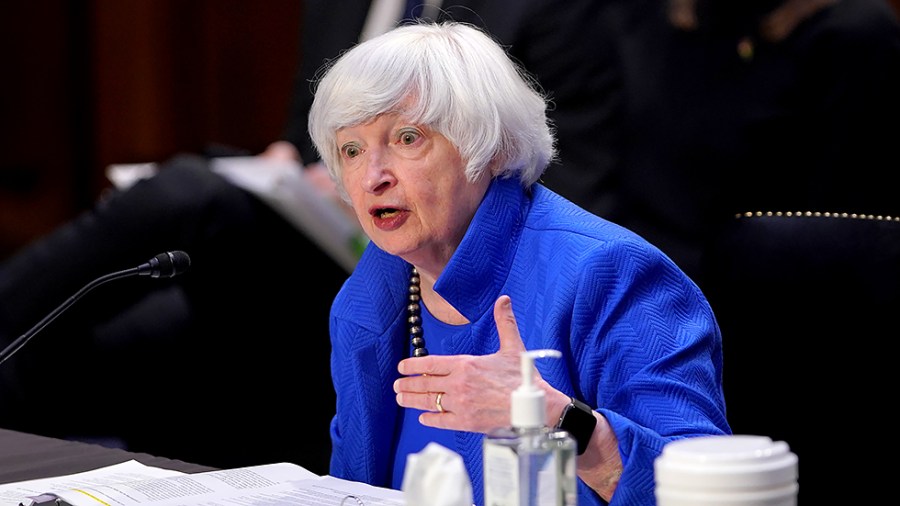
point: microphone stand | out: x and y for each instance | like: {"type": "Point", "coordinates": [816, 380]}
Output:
{"type": "Point", "coordinates": [167, 264]}
{"type": "Point", "coordinates": [24, 338]}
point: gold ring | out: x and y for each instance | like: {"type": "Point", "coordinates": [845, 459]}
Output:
{"type": "Point", "coordinates": [437, 402]}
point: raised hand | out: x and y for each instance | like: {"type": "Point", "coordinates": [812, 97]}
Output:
{"type": "Point", "coordinates": [474, 390]}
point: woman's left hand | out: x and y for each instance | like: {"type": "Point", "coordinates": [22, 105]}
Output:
{"type": "Point", "coordinates": [466, 392]}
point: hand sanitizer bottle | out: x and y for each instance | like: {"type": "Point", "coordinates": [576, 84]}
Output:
{"type": "Point", "coordinates": [529, 464]}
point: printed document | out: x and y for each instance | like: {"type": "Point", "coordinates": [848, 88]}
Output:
{"type": "Point", "coordinates": [132, 483]}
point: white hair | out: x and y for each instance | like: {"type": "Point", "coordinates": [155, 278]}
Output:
{"type": "Point", "coordinates": [453, 78]}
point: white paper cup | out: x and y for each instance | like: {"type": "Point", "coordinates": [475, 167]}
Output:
{"type": "Point", "coordinates": [738, 470]}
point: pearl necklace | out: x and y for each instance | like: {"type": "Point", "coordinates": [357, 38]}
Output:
{"type": "Point", "coordinates": [415, 318]}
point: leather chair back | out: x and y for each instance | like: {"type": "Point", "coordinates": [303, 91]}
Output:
{"type": "Point", "coordinates": [808, 304]}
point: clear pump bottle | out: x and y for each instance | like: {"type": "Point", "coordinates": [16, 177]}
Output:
{"type": "Point", "coordinates": [530, 464]}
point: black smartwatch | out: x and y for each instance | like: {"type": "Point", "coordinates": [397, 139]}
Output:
{"type": "Point", "coordinates": [578, 420]}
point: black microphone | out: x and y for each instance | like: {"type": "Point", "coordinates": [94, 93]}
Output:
{"type": "Point", "coordinates": [164, 265]}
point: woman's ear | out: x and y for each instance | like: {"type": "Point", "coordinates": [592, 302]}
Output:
{"type": "Point", "coordinates": [494, 167]}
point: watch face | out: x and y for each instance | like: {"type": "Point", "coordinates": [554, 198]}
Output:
{"type": "Point", "coordinates": [578, 420]}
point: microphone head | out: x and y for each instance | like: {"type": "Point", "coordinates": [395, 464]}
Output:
{"type": "Point", "coordinates": [167, 265]}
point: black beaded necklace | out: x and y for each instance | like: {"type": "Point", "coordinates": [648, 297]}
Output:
{"type": "Point", "coordinates": [414, 311]}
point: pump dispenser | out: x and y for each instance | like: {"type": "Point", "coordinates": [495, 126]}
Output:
{"type": "Point", "coordinates": [529, 464]}
{"type": "Point", "coordinates": [528, 403]}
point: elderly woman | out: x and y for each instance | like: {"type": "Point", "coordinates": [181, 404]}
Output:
{"type": "Point", "coordinates": [437, 140]}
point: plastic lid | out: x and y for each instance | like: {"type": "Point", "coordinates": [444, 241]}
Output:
{"type": "Point", "coordinates": [527, 402]}
{"type": "Point", "coordinates": [726, 462]}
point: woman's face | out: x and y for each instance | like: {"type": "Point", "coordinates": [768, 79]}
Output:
{"type": "Point", "coordinates": [408, 189]}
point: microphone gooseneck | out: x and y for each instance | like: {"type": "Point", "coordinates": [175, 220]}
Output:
{"type": "Point", "coordinates": [164, 265]}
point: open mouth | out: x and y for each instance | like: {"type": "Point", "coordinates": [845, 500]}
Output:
{"type": "Point", "coordinates": [386, 212]}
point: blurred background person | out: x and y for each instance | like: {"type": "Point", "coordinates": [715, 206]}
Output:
{"type": "Point", "coordinates": [750, 105]}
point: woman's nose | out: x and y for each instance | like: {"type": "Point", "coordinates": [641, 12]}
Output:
{"type": "Point", "coordinates": [379, 174]}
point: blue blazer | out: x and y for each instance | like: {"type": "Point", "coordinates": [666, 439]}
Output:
{"type": "Point", "coordinates": [639, 340]}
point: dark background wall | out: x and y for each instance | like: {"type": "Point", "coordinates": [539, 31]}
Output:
{"type": "Point", "coordinates": [88, 83]}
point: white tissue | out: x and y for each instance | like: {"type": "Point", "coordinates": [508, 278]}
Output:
{"type": "Point", "coordinates": [436, 476]}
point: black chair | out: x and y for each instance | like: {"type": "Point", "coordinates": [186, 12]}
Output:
{"type": "Point", "coordinates": [808, 305]}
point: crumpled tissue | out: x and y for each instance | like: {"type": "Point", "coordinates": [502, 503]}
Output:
{"type": "Point", "coordinates": [436, 476]}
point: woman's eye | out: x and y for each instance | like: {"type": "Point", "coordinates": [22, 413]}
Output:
{"type": "Point", "coordinates": [350, 150]}
{"type": "Point", "coordinates": [408, 137]}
